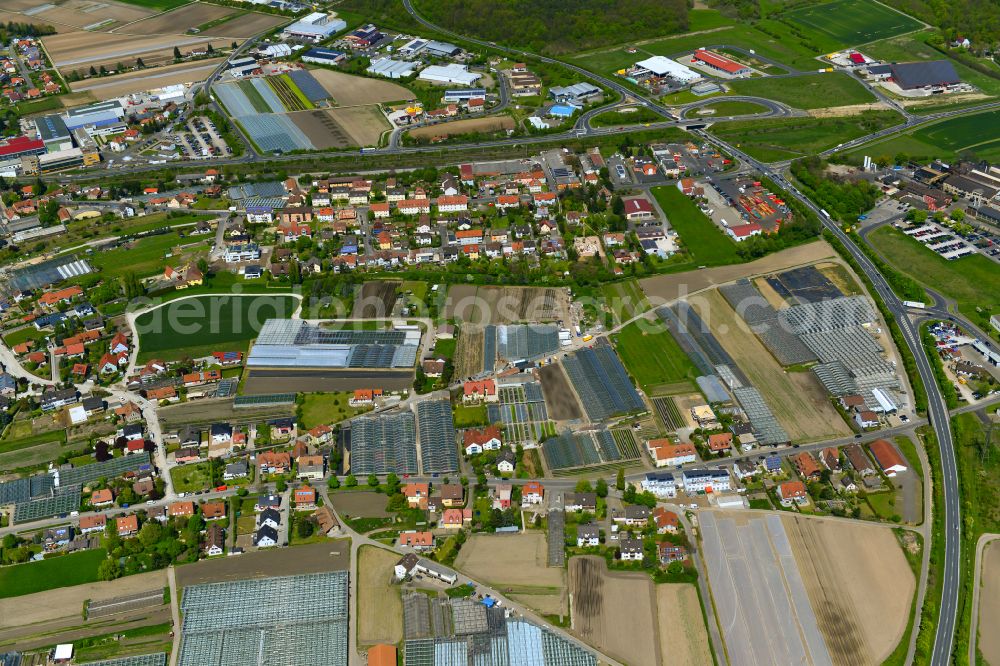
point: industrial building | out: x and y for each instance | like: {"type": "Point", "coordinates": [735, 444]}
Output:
{"type": "Point", "coordinates": [316, 27]}
{"type": "Point", "coordinates": [662, 67]}
{"type": "Point", "coordinates": [933, 74]}
{"type": "Point", "coordinates": [292, 352]}
{"type": "Point", "coordinates": [451, 73]}
{"type": "Point", "coordinates": [429, 47]}
{"type": "Point", "coordinates": [20, 146]}
{"type": "Point", "coordinates": [53, 132]}
{"type": "Point", "coordinates": [391, 69]}
{"type": "Point", "coordinates": [577, 93]}
{"type": "Point", "coordinates": [322, 56]}
{"type": "Point", "coordinates": [463, 95]}
{"type": "Point", "coordinates": [720, 63]}
{"type": "Point", "coordinates": [96, 115]}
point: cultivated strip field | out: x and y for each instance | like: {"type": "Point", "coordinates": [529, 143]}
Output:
{"type": "Point", "coordinates": [348, 90]}
{"type": "Point", "coordinates": [248, 25]}
{"type": "Point", "coordinates": [797, 399]}
{"type": "Point", "coordinates": [110, 87]}
{"type": "Point", "coordinates": [560, 401]}
{"type": "Point", "coordinates": [841, 563]}
{"type": "Point", "coordinates": [375, 299]}
{"type": "Point", "coordinates": [468, 126]}
{"type": "Point", "coordinates": [380, 608]}
{"type": "Point", "coordinates": [989, 605]}
{"type": "Point", "coordinates": [469, 351]}
{"type": "Point", "coordinates": [177, 21]}
{"type": "Point", "coordinates": [80, 14]}
{"type": "Point", "coordinates": [81, 50]}
{"type": "Point", "coordinates": [683, 635]}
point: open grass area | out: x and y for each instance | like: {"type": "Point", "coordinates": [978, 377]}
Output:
{"type": "Point", "coordinates": [470, 416]}
{"type": "Point", "coordinates": [706, 244]}
{"type": "Point", "coordinates": [972, 281]}
{"type": "Point", "coordinates": [326, 408]}
{"type": "Point", "coordinates": [625, 300]}
{"type": "Point", "coordinates": [814, 91]}
{"type": "Point", "coordinates": [63, 571]}
{"type": "Point", "coordinates": [944, 140]}
{"type": "Point", "coordinates": [170, 332]}
{"type": "Point", "coordinates": [653, 358]}
{"type": "Point", "coordinates": [789, 51]}
{"type": "Point", "coordinates": [724, 107]}
{"type": "Point", "coordinates": [779, 139]}
{"type": "Point", "coordinates": [851, 22]}
{"type": "Point", "coordinates": [23, 335]}
{"type": "Point", "coordinates": [146, 256]}
{"type": "Point", "coordinates": [626, 116]}
{"type": "Point", "coordinates": [191, 478]}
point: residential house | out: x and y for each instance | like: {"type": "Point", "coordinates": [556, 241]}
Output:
{"type": "Point", "coordinates": [416, 494]}
{"type": "Point", "coordinates": [214, 510]}
{"type": "Point", "coordinates": [831, 458]}
{"type": "Point", "coordinates": [269, 517]}
{"type": "Point", "coordinates": [576, 502]}
{"type": "Point", "coordinates": [865, 418]}
{"type": "Point", "coordinates": [102, 497]}
{"type": "Point", "coordinates": [416, 540]}
{"type": "Point", "coordinates": [635, 514]}
{"type": "Point", "coordinates": [744, 469]}
{"type": "Point", "coordinates": [631, 550]}
{"type": "Point", "coordinates": [667, 454]}
{"type": "Point", "coordinates": [305, 498]}
{"type": "Point", "coordinates": [588, 535]}
{"type": "Point", "coordinates": [502, 496]}
{"type": "Point", "coordinates": [274, 462]}
{"type": "Point", "coordinates": [326, 521]}
{"type": "Point", "coordinates": [667, 522]}
{"type": "Point", "coordinates": [127, 526]}
{"type": "Point", "coordinates": [180, 509]}
{"type": "Point", "coordinates": [453, 519]}
{"type": "Point", "coordinates": [792, 492]}
{"type": "Point", "coordinates": [479, 440]}
{"type": "Point", "coordinates": [265, 502]}
{"type": "Point", "coordinates": [532, 493]}
{"type": "Point", "coordinates": [479, 391]}
{"type": "Point", "coordinates": [669, 553]}
{"type": "Point", "coordinates": [452, 494]}
{"type": "Point", "coordinates": [661, 484]}
{"type": "Point", "coordinates": [720, 442]}
{"type": "Point", "coordinates": [265, 537]}
{"type": "Point", "coordinates": [707, 480]}
{"type": "Point", "coordinates": [806, 466]}
{"type": "Point", "coordinates": [506, 461]}
{"type": "Point", "coordinates": [311, 467]}
{"type": "Point", "coordinates": [858, 460]}
{"type": "Point", "coordinates": [235, 470]}
{"type": "Point", "coordinates": [93, 523]}
{"type": "Point", "coordinates": [215, 540]}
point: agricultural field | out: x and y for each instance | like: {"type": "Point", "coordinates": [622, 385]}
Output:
{"type": "Point", "coordinates": [842, 561]}
{"type": "Point", "coordinates": [179, 22]}
{"type": "Point", "coordinates": [653, 358]}
{"type": "Point", "coordinates": [683, 635]}
{"type": "Point", "coordinates": [487, 125]}
{"type": "Point", "coordinates": [813, 91]}
{"type": "Point", "coordinates": [78, 50]}
{"type": "Point", "coordinates": [507, 305]}
{"type": "Point", "coordinates": [625, 300]}
{"type": "Point", "coordinates": [853, 22]}
{"type": "Point", "coordinates": [515, 562]}
{"type": "Point", "coordinates": [701, 239]}
{"type": "Point", "coordinates": [615, 612]}
{"type": "Point", "coordinates": [197, 326]}
{"type": "Point", "coordinates": [245, 26]}
{"type": "Point", "coordinates": [62, 571]}
{"type": "Point", "coordinates": [944, 140]}
{"type": "Point", "coordinates": [989, 604]}
{"type": "Point", "coordinates": [560, 400]}
{"type": "Point", "coordinates": [375, 300]}
{"type": "Point", "coordinates": [288, 92]}
{"type": "Point", "coordinates": [469, 352]}
{"type": "Point", "coordinates": [797, 399]}
{"type": "Point", "coordinates": [349, 90]}
{"type": "Point", "coordinates": [111, 87]}
{"type": "Point", "coordinates": [380, 607]}
{"type": "Point", "coordinates": [779, 139]}
{"type": "Point", "coordinates": [363, 125]}
{"type": "Point", "coordinates": [961, 279]}
{"type": "Point", "coordinates": [78, 14]}
{"type": "Point", "coordinates": [162, 5]}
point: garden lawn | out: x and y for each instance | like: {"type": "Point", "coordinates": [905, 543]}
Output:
{"type": "Point", "coordinates": [814, 91]}
{"type": "Point", "coordinates": [469, 416]}
{"type": "Point", "coordinates": [704, 242]}
{"type": "Point", "coordinates": [191, 478]}
{"type": "Point", "coordinates": [326, 408]}
{"type": "Point", "coordinates": [62, 571]}
{"type": "Point", "coordinates": [653, 359]}
{"type": "Point", "coordinates": [147, 256]}
{"type": "Point", "coordinates": [197, 326]}
{"type": "Point", "coordinates": [24, 334]}
{"type": "Point", "coordinates": [973, 281]}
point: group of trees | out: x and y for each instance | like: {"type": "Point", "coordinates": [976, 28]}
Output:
{"type": "Point", "coordinates": [156, 546]}
{"type": "Point", "coordinates": [843, 198]}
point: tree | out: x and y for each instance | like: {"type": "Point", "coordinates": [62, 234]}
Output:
{"type": "Point", "coordinates": [620, 479]}
{"type": "Point", "coordinates": [209, 49]}
{"type": "Point", "coordinates": [150, 533]}
{"type": "Point", "coordinates": [101, 452]}
{"type": "Point", "coordinates": [351, 481]}
{"type": "Point", "coordinates": [392, 484]}
{"type": "Point", "coordinates": [372, 481]}
{"type": "Point", "coordinates": [109, 569]}
{"type": "Point", "coordinates": [203, 266]}
{"type": "Point", "coordinates": [583, 486]}
{"type": "Point", "coordinates": [675, 568]}
{"type": "Point", "coordinates": [333, 483]}
{"type": "Point", "coordinates": [93, 72]}
{"type": "Point", "coordinates": [177, 53]}
{"type": "Point", "coordinates": [281, 486]}
{"type": "Point", "coordinates": [304, 528]}
{"type": "Point", "coordinates": [602, 488]}
{"type": "Point", "coordinates": [139, 64]}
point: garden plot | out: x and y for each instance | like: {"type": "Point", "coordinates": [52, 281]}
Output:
{"type": "Point", "coordinates": [375, 300]}
{"type": "Point", "coordinates": [522, 413]}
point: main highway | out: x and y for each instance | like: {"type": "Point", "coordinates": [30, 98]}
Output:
{"type": "Point", "coordinates": [936, 407]}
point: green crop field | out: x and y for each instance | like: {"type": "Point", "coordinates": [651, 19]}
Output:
{"type": "Point", "coordinates": [944, 140]}
{"type": "Point", "coordinates": [778, 139]}
{"type": "Point", "coordinates": [653, 358]}
{"type": "Point", "coordinates": [63, 571]}
{"type": "Point", "coordinates": [197, 326]}
{"type": "Point", "coordinates": [853, 21]}
{"type": "Point", "coordinates": [706, 244]}
{"type": "Point", "coordinates": [813, 91]}
{"type": "Point", "coordinates": [288, 93]}
{"type": "Point", "coordinates": [973, 281]}
{"type": "Point", "coordinates": [252, 94]}
{"type": "Point", "coordinates": [625, 300]}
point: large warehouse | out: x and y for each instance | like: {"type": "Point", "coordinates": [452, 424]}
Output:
{"type": "Point", "coordinates": [316, 26]}
{"type": "Point", "coordinates": [451, 73]}
{"type": "Point", "coordinates": [933, 74]}
{"type": "Point", "coordinates": [292, 354]}
{"type": "Point", "coordinates": [660, 66]}
{"type": "Point", "coordinates": [391, 69]}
